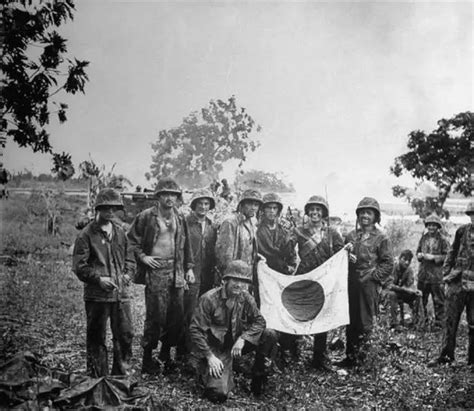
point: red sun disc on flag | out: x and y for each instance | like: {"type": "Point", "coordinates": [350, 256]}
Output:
{"type": "Point", "coordinates": [303, 299]}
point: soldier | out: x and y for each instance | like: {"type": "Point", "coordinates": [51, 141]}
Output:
{"type": "Point", "coordinates": [103, 260]}
{"type": "Point", "coordinates": [202, 236]}
{"type": "Point", "coordinates": [370, 265]}
{"type": "Point", "coordinates": [458, 271]}
{"type": "Point", "coordinates": [317, 242]}
{"type": "Point", "coordinates": [400, 290]}
{"type": "Point", "coordinates": [159, 236]}
{"type": "Point", "coordinates": [431, 252]}
{"type": "Point", "coordinates": [274, 241]}
{"type": "Point", "coordinates": [236, 237]}
{"type": "Point", "coordinates": [226, 325]}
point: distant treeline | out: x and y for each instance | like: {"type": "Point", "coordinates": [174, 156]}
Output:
{"type": "Point", "coordinates": [26, 179]}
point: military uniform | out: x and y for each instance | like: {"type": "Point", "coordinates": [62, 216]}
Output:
{"type": "Point", "coordinates": [459, 276]}
{"type": "Point", "coordinates": [430, 275]}
{"type": "Point", "coordinates": [215, 328]}
{"type": "Point", "coordinates": [372, 268]}
{"type": "Point", "coordinates": [99, 254]}
{"type": "Point", "coordinates": [164, 286]}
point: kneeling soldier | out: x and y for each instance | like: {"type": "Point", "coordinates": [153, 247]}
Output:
{"type": "Point", "coordinates": [228, 324]}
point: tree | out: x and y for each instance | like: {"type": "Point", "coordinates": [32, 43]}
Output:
{"type": "Point", "coordinates": [441, 157]}
{"type": "Point", "coordinates": [263, 180]}
{"type": "Point", "coordinates": [34, 70]}
{"type": "Point", "coordinates": [195, 151]}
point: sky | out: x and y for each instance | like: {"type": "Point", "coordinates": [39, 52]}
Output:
{"type": "Point", "coordinates": [336, 87]}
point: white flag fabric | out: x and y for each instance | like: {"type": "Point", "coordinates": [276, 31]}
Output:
{"type": "Point", "coordinates": [305, 304]}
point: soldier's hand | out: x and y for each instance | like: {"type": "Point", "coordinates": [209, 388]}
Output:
{"type": "Point", "coordinates": [151, 262]}
{"type": "Point", "coordinates": [352, 258]}
{"type": "Point", "coordinates": [107, 284]}
{"type": "Point", "coordinates": [126, 279]}
{"type": "Point", "coordinates": [190, 276]}
{"type": "Point", "coordinates": [215, 366]}
{"type": "Point", "coordinates": [349, 247]}
{"type": "Point", "coordinates": [237, 348]}
{"type": "Point", "coordinates": [420, 256]}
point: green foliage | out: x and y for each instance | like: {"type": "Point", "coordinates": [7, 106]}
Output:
{"type": "Point", "coordinates": [263, 181]}
{"type": "Point", "coordinates": [398, 232]}
{"type": "Point", "coordinates": [195, 151]}
{"type": "Point", "coordinates": [35, 69]}
{"type": "Point", "coordinates": [442, 157]}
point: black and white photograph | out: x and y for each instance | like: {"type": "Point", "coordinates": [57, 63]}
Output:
{"type": "Point", "coordinates": [233, 204]}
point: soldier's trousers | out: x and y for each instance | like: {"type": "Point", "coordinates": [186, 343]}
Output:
{"type": "Point", "coordinates": [219, 388]}
{"type": "Point", "coordinates": [190, 300]}
{"type": "Point", "coordinates": [437, 294]}
{"type": "Point", "coordinates": [164, 310]}
{"type": "Point", "coordinates": [363, 308]}
{"type": "Point", "coordinates": [456, 300]}
{"type": "Point", "coordinates": [120, 315]}
{"type": "Point", "coordinates": [397, 299]}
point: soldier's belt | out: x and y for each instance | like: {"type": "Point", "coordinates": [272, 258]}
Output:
{"type": "Point", "coordinates": [166, 264]}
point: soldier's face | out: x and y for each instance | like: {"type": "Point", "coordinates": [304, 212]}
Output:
{"type": "Point", "coordinates": [105, 214]}
{"type": "Point", "coordinates": [167, 200]}
{"type": "Point", "coordinates": [315, 213]}
{"type": "Point", "coordinates": [432, 228]}
{"type": "Point", "coordinates": [404, 262]}
{"type": "Point", "coordinates": [270, 212]}
{"type": "Point", "coordinates": [203, 205]}
{"type": "Point", "coordinates": [366, 217]}
{"type": "Point", "coordinates": [234, 287]}
{"type": "Point", "coordinates": [250, 208]}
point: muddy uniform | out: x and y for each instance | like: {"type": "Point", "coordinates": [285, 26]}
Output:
{"type": "Point", "coordinates": [215, 328]}
{"type": "Point", "coordinates": [203, 239]}
{"type": "Point", "coordinates": [95, 255]}
{"type": "Point", "coordinates": [399, 292]}
{"type": "Point", "coordinates": [373, 267]}
{"type": "Point", "coordinates": [278, 247]}
{"type": "Point", "coordinates": [430, 273]}
{"type": "Point", "coordinates": [459, 275]}
{"type": "Point", "coordinates": [163, 286]}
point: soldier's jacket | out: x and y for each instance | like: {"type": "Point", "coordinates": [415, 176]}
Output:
{"type": "Point", "coordinates": [400, 277]}
{"type": "Point", "coordinates": [374, 255]}
{"type": "Point", "coordinates": [459, 263]}
{"type": "Point", "coordinates": [277, 246]}
{"type": "Point", "coordinates": [143, 234]}
{"type": "Point", "coordinates": [431, 272]}
{"type": "Point", "coordinates": [312, 255]}
{"type": "Point", "coordinates": [95, 256]}
{"type": "Point", "coordinates": [202, 244]}
{"type": "Point", "coordinates": [236, 240]}
{"type": "Point", "coordinates": [213, 319]}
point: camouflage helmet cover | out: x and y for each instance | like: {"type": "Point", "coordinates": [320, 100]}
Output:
{"type": "Point", "coordinates": [238, 269]}
{"type": "Point", "coordinates": [317, 200]}
{"type": "Point", "coordinates": [433, 219]}
{"type": "Point", "coordinates": [272, 198]}
{"type": "Point", "coordinates": [108, 197]}
{"type": "Point", "coordinates": [168, 185]}
{"type": "Point", "coordinates": [470, 208]}
{"type": "Point", "coordinates": [371, 203]}
{"type": "Point", "coordinates": [201, 194]}
{"type": "Point", "coordinates": [251, 195]}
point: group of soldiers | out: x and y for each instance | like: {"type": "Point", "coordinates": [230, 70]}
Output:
{"type": "Point", "coordinates": [201, 282]}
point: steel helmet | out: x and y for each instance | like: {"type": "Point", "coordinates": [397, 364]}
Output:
{"type": "Point", "coordinates": [317, 200]}
{"type": "Point", "coordinates": [251, 195]}
{"type": "Point", "coordinates": [168, 185]}
{"type": "Point", "coordinates": [200, 194]}
{"type": "Point", "coordinates": [470, 208]}
{"type": "Point", "coordinates": [238, 269]}
{"type": "Point", "coordinates": [433, 219]}
{"type": "Point", "coordinates": [272, 198]}
{"type": "Point", "coordinates": [372, 203]}
{"type": "Point", "coordinates": [108, 197]}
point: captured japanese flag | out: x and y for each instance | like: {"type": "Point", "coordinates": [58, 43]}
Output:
{"type": "Point", "coordinates": [310, 303]}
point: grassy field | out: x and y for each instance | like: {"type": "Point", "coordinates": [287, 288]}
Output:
{"type": "Point", "coordinates": [42, 310]}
